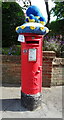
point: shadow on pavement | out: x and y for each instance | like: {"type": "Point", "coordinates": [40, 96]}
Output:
{"type": "Point", "coordinates": [11, 85]}
{"type": "Point", "coordinates": [12, 105]}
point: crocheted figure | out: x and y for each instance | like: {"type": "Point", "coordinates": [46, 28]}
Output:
{"type": "Point", "coordinates": [34, 22]}
{"type": "Point", "coordinates": [34, 15]}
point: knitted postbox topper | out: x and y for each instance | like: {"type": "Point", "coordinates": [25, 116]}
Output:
{"type": "Point", "coordinates": [34, 22]}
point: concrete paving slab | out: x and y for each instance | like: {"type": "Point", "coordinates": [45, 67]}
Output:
{"type": "Point", "coordinates": [12, 107]}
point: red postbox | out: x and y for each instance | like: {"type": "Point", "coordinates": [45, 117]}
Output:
{"type": "Point", "coordinates": [31, 70]}
{"type": "Point", "coordinates": [31, 63]}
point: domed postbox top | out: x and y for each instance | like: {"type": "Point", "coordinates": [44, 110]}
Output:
{"type": "Point", "coordinates": [34, 22]}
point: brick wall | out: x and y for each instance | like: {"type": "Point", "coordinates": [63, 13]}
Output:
{"type": "Point", "coordinates": [51, 69]}
{"type": "Point", "coordinates": [57, 71]}
{"type": "Point", "coordinates": [11, 69]}
{"type": "Point", "coordinates": [48, 57]}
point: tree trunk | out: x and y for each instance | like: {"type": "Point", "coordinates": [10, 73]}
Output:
{"type": "Point", "coordinates": [48, 13]}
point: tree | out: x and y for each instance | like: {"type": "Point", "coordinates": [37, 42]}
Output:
{"type": "Point", "coordinates": [56, 28]}
{"type": "Point", "coordinates": [58, 10]}
{"type": "Point", "coordinates": [12, 16]}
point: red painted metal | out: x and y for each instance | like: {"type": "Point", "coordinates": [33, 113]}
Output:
{"type": "Point", "coordinates": [31, 71]}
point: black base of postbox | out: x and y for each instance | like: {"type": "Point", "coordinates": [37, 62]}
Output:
{"type": "Point", "coordinates": [31, 102]}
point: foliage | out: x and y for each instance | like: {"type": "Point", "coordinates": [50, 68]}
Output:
{"type": "Point", "coordinates": [54, 44]}
{"type": "Point", "coordinates": [12, 16]}
{"type": "Point", "coordinates": [0, 3]}
{"type": "Point", "coordinates": [55, 40]}
{"type": "Point", "coordinates": [58, 10]}
{"type": "Point", "coordinates": [56, 27]}
{"type": "Point", "coordinates": [13, 50]}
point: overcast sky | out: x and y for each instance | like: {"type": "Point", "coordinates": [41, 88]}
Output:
{"type": "Point", "coordinates": [42, 7]}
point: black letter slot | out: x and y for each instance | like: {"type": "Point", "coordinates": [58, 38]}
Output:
{"type": "Point", "coordinates": [33, 42]}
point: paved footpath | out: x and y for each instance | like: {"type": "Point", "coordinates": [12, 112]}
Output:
{"type": "Point", "coordinates": [12, 108]}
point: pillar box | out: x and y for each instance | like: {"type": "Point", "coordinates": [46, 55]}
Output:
{"type": "Point", "coordinates": [31, 38]}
